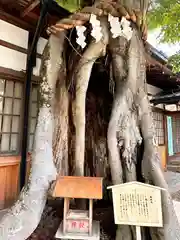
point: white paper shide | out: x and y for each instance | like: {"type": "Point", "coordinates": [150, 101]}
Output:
{"type": "Point", "coordinates": [96, 28]}
{"type": "Point", "coordinates": [118, 28]}
{"type": "Point", "coordinates": [126, 29]}
{"type": "Point", "coordinates": [81, 37]}
{"type": "Point", "coordinates": [115, 26]}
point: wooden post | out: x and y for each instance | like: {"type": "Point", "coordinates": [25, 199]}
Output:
{"type": "Point", "coordinates": [90, 216]}
{"type": "Point", "coordinates": [138, 232]}
{"type": "Point", "coordinates": [66, 208]}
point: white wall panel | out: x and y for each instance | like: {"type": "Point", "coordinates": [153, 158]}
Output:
{"type": "Point", "coordinates": [12, 59]}
{"type": "Point", "coordinates": [153, 90]}
{"type": "Point", "coordinates": [36, 70]}
{"type": "Point", "coordinates": [13, 34]}
{"type": "Point", "coordinates": [41, 44]}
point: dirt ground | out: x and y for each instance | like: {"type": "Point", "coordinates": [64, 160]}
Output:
{"type": "Point", "coordinates": [52, 217]}
{"type": "Point", "coordinates": [173, 181]}
{"type": "Point", "coordinates": [103, 212]}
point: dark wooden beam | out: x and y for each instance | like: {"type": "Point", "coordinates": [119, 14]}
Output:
{"type": "Point", "coordinates": [15, 20]}
{"type": "Point", "coordinates": [33, 4]}
{"type": "Point", "coordinates": [32, 15]}
{"type": "Point", "coordinates": [151, 61]}
{"type": "Point", "coordinates": [32, 45]}
{"type": "Point", "coordinates": [7, 1]}
{"type": "Point", "coordinates": [166, 98]}
{"type": "Point", "coordinates": [16, 48]}
{"type": "Point", "coordinates": [11, 74]}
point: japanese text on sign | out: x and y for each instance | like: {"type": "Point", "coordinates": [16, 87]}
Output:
{"type": "Point", "coordinates": [137, 205]}
{"type": "Point", "coordinates": [77, 226]}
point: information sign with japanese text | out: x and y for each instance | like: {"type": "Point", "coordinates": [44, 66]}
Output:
{"type": "Point", "coordinates": [137, 204]}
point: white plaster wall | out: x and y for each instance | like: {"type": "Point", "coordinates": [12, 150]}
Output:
{"type": "Point", "coordinates": [13, 59]}
{"type": "Point", "coordinates": [36, 70]}
{"type": "Point", "coordinates": [16, 60]}
{"type": "Point", "coordinates": [13, 34]}
{"type": "Point", "coordinates": [41, 44]}
{"type": "Point", "coordinates": [153, 91]}
{"type": "Point", "coordinates": [171, 107]}
{"type": "Point", "coordinates": [18, 36]}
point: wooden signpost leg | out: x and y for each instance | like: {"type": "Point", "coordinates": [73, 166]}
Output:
{"type": "Point", "coordinates": [138, 233]}
{"type": "Point", "coordinates": [90, 216]}
{"type": "Point", "coordinates": [66, 209]}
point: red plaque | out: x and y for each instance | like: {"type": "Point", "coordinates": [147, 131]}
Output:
{"type": "Point", "coordinates": [77, 226]}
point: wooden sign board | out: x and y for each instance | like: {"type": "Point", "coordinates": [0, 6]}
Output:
{"type": "Point", "coordinates": [78, 187]}
{"type": "Point", "coordinates": [137, 204]}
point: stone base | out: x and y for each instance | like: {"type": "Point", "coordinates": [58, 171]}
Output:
{"type": "Point", "coordinates": [2, 213]}
{"type": "Point", "coordinates": [95, 233]}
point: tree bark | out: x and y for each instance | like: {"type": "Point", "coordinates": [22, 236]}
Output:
{"type": "Point", "coordinates": [82, 76]}
{"type": "Point", "coordinates": [153, 174]}
{"type": "Point", "coordinates": [130, 115]}
{"type": "Point", "coordinates": [131, 110]}
{"type": "Point", "coordinates": [24, 216]}
{"type": "Point", "coordinates": [123, 119]}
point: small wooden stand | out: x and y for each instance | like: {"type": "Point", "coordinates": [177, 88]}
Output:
{"type": "Point", "coordinates": [78, 224]}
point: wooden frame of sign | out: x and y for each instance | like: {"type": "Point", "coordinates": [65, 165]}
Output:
{"type": "Point", "coordinates": [137, 204]}
{"type": "Point", "coordinates": [70, 187]}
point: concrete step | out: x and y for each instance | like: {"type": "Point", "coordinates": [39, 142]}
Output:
{"type": "Point", "coordinates": [177, 209]}
{"type": "Point", "coordinates": [2, 213]}
{"type": "Point", "coordinates": [176, 195]}
{"type": "Point", "coordinates": [173, 168]}
{"type": "Point", "coordinates": [174, 162]}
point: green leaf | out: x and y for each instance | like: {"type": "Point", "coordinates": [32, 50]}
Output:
{"type": "Point", "coordinates": [70, 5]}
{"type": "Point", "coordinates": [165, 14]}
{"type": "Point", "coordinates": [174, 61]}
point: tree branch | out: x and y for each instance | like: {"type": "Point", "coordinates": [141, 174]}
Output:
{"type": "Point", "coordinates": [82, 75]}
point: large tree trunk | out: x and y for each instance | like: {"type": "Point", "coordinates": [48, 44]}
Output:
{"type": "Point", "coordinates": [153, 174]}
{"type": "Point", "coordinates": [130, 110]}
{"type": "Point", "coordinates": [24, 216]}
{"type": "Point", "coordinates": [82, 76]}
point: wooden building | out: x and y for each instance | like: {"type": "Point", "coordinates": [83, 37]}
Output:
{"type": "Point", "coordinates": [170, 98]}
{"type": "Point", "coordinates": [159, 75]}
{"type": "Point", "coordinates": [18, 20]}
{"type": "Point", "coordinates": [165, 106]}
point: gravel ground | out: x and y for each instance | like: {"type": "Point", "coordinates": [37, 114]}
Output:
{"type": "Point", "coordinates": [50, 222]}
{"type": "Point", "coordinates": [177, 209]}
{"type": "Point", "coordinates": [51, 219]}
{"type": "Point", "coordinates": [47, 226]}
{"type": "Point", "coordinates": [173, 180]}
